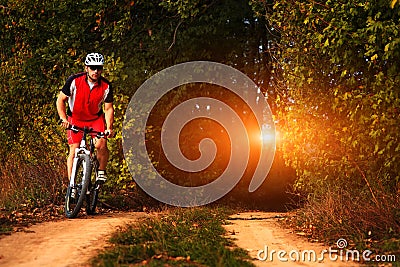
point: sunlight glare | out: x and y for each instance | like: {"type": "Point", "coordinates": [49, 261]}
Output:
{"type": "Point", "coordinates": [267, 137]}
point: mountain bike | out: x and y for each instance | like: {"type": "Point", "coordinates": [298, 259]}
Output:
{"type": "Point", "coordinates": [83, 184]}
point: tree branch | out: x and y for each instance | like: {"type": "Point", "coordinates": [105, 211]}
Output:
{"type": "Point", "coordinates": [174, 38]}
{"type": "Point", "coordinates": [365, 179]}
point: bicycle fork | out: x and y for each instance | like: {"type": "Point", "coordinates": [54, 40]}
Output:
{"type": "Point", "coordinates": [73, 172]}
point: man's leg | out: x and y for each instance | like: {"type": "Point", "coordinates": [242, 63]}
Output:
{"type": "Point", "coordinates": [70, 159]}
{"type": "Point", "coordinates": [102, 157]}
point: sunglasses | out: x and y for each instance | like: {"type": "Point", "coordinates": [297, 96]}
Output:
{"type": "Point", "coordinates": [96, 67]}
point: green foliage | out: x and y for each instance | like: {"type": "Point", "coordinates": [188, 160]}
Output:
{"type": "Point", "coordinates": [340, 105]}
{"type": "Point", "coordinates": [38, 52]}
{"type": "Point", "coordinates": [43, 42]}
{"type": "Point", "coordinates": [338, 102]}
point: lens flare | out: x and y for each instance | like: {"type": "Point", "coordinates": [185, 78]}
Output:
{"type": "Point", "coordinates": [151, 91]}
{"type": "Point", "coordinates": [269, 137]}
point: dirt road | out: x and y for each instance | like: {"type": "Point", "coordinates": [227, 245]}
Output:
{"type": "Point", "coordinates": [62, 243]}
{"type": "Point", "coordinates": [261, 235]}
{"type": "Point", "coordinates": [74, 242]}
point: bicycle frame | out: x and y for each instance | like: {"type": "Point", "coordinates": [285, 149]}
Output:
{"type": "Point", "coordinates": [81, 149]}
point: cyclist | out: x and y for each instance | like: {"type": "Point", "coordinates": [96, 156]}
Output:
{"type": "Point", "coordinates": [86, 93]}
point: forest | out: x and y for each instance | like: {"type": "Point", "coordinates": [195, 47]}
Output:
{"type": "Point", "coordinates": [329, 70]}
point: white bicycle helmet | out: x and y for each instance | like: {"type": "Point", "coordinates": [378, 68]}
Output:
{"type": "Point", "coordinates": [94, 59]}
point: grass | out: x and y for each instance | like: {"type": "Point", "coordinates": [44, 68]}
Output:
{"type": "Point", "coordinates": [30, 190]}
{"type": "Point", "coordinates": [178, 237]}
{"type": "Point", "coordinates": [31, 182]}
{"type": "Point", "coordinates": [354, 216]}
{"type": "Point", "coordinates": [5, 226]}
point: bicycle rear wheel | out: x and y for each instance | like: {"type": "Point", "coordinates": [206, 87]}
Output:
{"type": "Point", "coordinates": [94, 188]}
{"type": "Point", "coordinates": [76, 193]}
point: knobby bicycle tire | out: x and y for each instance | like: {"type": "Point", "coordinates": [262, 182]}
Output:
{"type": "Point", "coordinates": [82, 176]}
{"type": "Point", "coordinates": [94, 187]}
{"type": "Point", "coordinates": [91, 200]}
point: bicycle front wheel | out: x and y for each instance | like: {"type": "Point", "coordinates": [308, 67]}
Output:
{"type": "Point", "coordinates": [76, 192]}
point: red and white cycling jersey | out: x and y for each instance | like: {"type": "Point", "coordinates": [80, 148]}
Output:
{"type": "Point", "coordinates": [85, 103]}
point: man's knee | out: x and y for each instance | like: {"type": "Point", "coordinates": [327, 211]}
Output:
{"type": "Point", "coordinates": [72, 148]}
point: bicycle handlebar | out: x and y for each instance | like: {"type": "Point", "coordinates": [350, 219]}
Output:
{"type": "Point", "coordinates": [86, 130]}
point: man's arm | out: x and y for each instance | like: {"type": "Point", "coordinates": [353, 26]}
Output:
{"type": "Point", "coordinates": [61, 108]}
{"type": "Point", "coordinates": [109, 115]}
